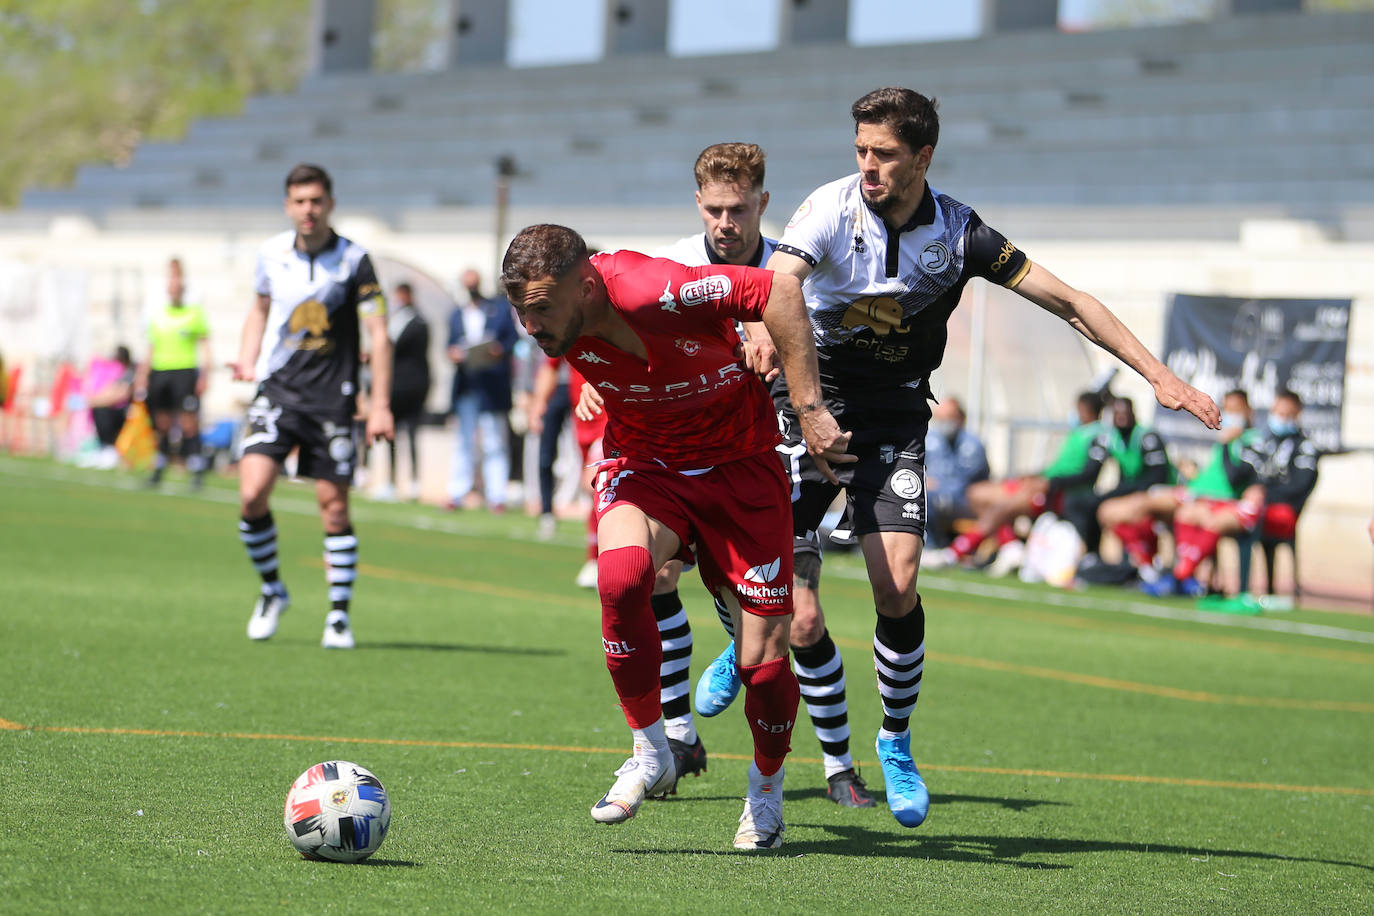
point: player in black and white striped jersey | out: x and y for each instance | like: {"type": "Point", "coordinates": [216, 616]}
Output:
{"type": "Point", "coordinates": [316, 292]}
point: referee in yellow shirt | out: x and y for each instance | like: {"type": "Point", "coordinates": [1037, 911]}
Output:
{"type": "Point", "coordinates": [172, 379]}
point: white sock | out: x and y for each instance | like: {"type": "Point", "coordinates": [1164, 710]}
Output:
{"type": "Point", "coordinates": [886, 735]}
{"type": "Point", "coordinates": [835, 765]}
{"type": "Point", "coordinates": [651, 742]}
{"type": "Point", "coordinates": [682, 729]}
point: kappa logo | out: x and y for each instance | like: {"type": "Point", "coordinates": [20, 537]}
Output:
{"type": "Point", "coordinates": [934, 258]}
{"type": "Point", "coordinates": [765, 572]}
{"type": "Point", "coordinates": [669, 303]}
{"type": "Point", "coordinates": [906, 483]}
{"type": "Point", "coordinates": [587, 356]}
{"type": "Point", "coordinates": [716, 286]}
{"type": "Point", "coordinates": [690, 347]}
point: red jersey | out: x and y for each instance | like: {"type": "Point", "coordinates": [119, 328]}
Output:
{"type": "Point", "coordinates": [588, 431]}
{"type": "Point", "coordinates": [693, 404]}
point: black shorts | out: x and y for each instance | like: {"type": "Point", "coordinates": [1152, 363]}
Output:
{"type": "Point", "coordinates": [884, 490]}
{"type": "Point", "coordinates": [327, 447]}
{"type": "Point", "coordinates": [172, 390]}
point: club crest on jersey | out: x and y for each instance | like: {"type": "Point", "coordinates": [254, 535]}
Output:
{"type": "Point", "coordinates": [587, 356]}
{"type": "Point", "coordinates": [880, 314]}
{"type": "Point", "coordinates": [934, 258]}
{"type": "Point", "coordinates": [690, 347]}
{"type": "Point", "coordinates": [716, 286]}
{"type": "Point", "coordinates": [308, 323]}
{"type": "Point", "coordinates": [669, 303]}
{"type": "Point", "coordinates": [801, 213]}
{"type": "Point", "coordinates": [906, 483]}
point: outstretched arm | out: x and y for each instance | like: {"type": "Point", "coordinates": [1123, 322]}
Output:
{"type": "Point", "coordinates": [1096, 322]}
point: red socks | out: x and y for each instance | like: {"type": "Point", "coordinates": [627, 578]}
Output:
{"type": "Point", "coordinates": [770, 703]}
{"type": "Point", "coordinates": [629, 632]}
{"type": "Point", "coordinates": [1138, 540]}
{"type": "Point", "coordinates": [1192, 545]}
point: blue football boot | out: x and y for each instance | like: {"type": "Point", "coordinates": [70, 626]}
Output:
{"type": "Point", "coordinates": [906, 790]}
{"type": "Point", "coordinates": [719, 684]}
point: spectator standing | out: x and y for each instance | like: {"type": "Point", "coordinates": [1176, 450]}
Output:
{"type": "Point", "coordinates": [410, 379]}
{"type": "Point", "coordinates": [481, 339]}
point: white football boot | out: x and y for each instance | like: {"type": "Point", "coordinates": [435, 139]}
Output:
{"type": "Point", "coordinates": [266, 611]}
{"type": "Point", "coordinates": [337, 633]}
{"type": "Point", "coordinates": [631, 787]}
{"type": "Point", "coordinates": [760, 826]}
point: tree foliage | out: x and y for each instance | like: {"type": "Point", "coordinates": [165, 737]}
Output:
{"type": "Point", "coordinates": [87, 80]}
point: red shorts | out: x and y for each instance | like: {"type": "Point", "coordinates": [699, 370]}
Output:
{"type": "Point", "coordinates": [1280, 522]}
{"type": "Point", "coordinates": [736, 518]}
{"type": "Point", "coordinates": [1246, 514]}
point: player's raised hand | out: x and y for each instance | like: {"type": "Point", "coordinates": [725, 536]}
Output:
{"type": "Point", "coordinates": [1175, 394]}
{"type": "Point", "coordinates": [589, 403]}
{"type": "Point", "coordinates": [825, 441]}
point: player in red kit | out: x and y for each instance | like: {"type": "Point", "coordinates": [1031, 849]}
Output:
{"type": "Point", "coordinates": [689, 472]}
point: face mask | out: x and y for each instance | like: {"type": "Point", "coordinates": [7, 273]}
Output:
{"type": "Point", "coordinates": [946, 428]}
{"type": "Point", "coordinates": [1281, 427]}
{"type": "Point", "coordinates": [1233, 421]}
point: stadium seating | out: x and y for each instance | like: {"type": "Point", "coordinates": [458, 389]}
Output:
{"type": "Point", "coordinates": [1230, 119]}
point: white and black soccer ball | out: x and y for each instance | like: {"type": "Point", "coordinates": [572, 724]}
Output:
{"type": "Point", "coordinates": [337, 811]}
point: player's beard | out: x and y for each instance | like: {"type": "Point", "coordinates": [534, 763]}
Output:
{"type": "Point", "coordinates": [565, 342]}
{"type": "Point", "coordinates": [896, 192]}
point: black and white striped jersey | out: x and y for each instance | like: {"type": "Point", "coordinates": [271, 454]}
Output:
{"type": "Point", "coordinates": [879, 300]}
{"type": "Point", "coordinates": [309, 358]}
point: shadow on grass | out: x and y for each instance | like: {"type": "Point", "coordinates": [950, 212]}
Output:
{"type": "Point", "coordinates": [817, 794]}
{"type": "Point", "coordinates": [1018, 852]}
{"type": "Point", "coordinates": [459, 647]}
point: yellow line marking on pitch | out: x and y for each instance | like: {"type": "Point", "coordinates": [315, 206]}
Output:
{"type": "Point", "coordinates": [1088, 680]}
{"type": "Point", "coordinates": [507, 746]}
{"type": "Point", "coordinates": [1176, 693]}
{"type": "Point", "coordinates": [1111, 683]}
{"type": "Point", "coordinates": [7, 725]}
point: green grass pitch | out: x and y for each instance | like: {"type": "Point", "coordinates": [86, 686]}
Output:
{"type": "Point", "coordinates": [1086, 752]}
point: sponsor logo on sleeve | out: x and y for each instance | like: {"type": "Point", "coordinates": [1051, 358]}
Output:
{"type": "Point", "coordinates": [1003, 257]}
{"type": "Point", "coordinates": [801, 213]}
{"type": "Point", "coordinates": [714, 287]}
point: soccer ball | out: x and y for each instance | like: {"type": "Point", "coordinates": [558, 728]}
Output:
{"type": "Point", "coordinates": [337, 811]}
